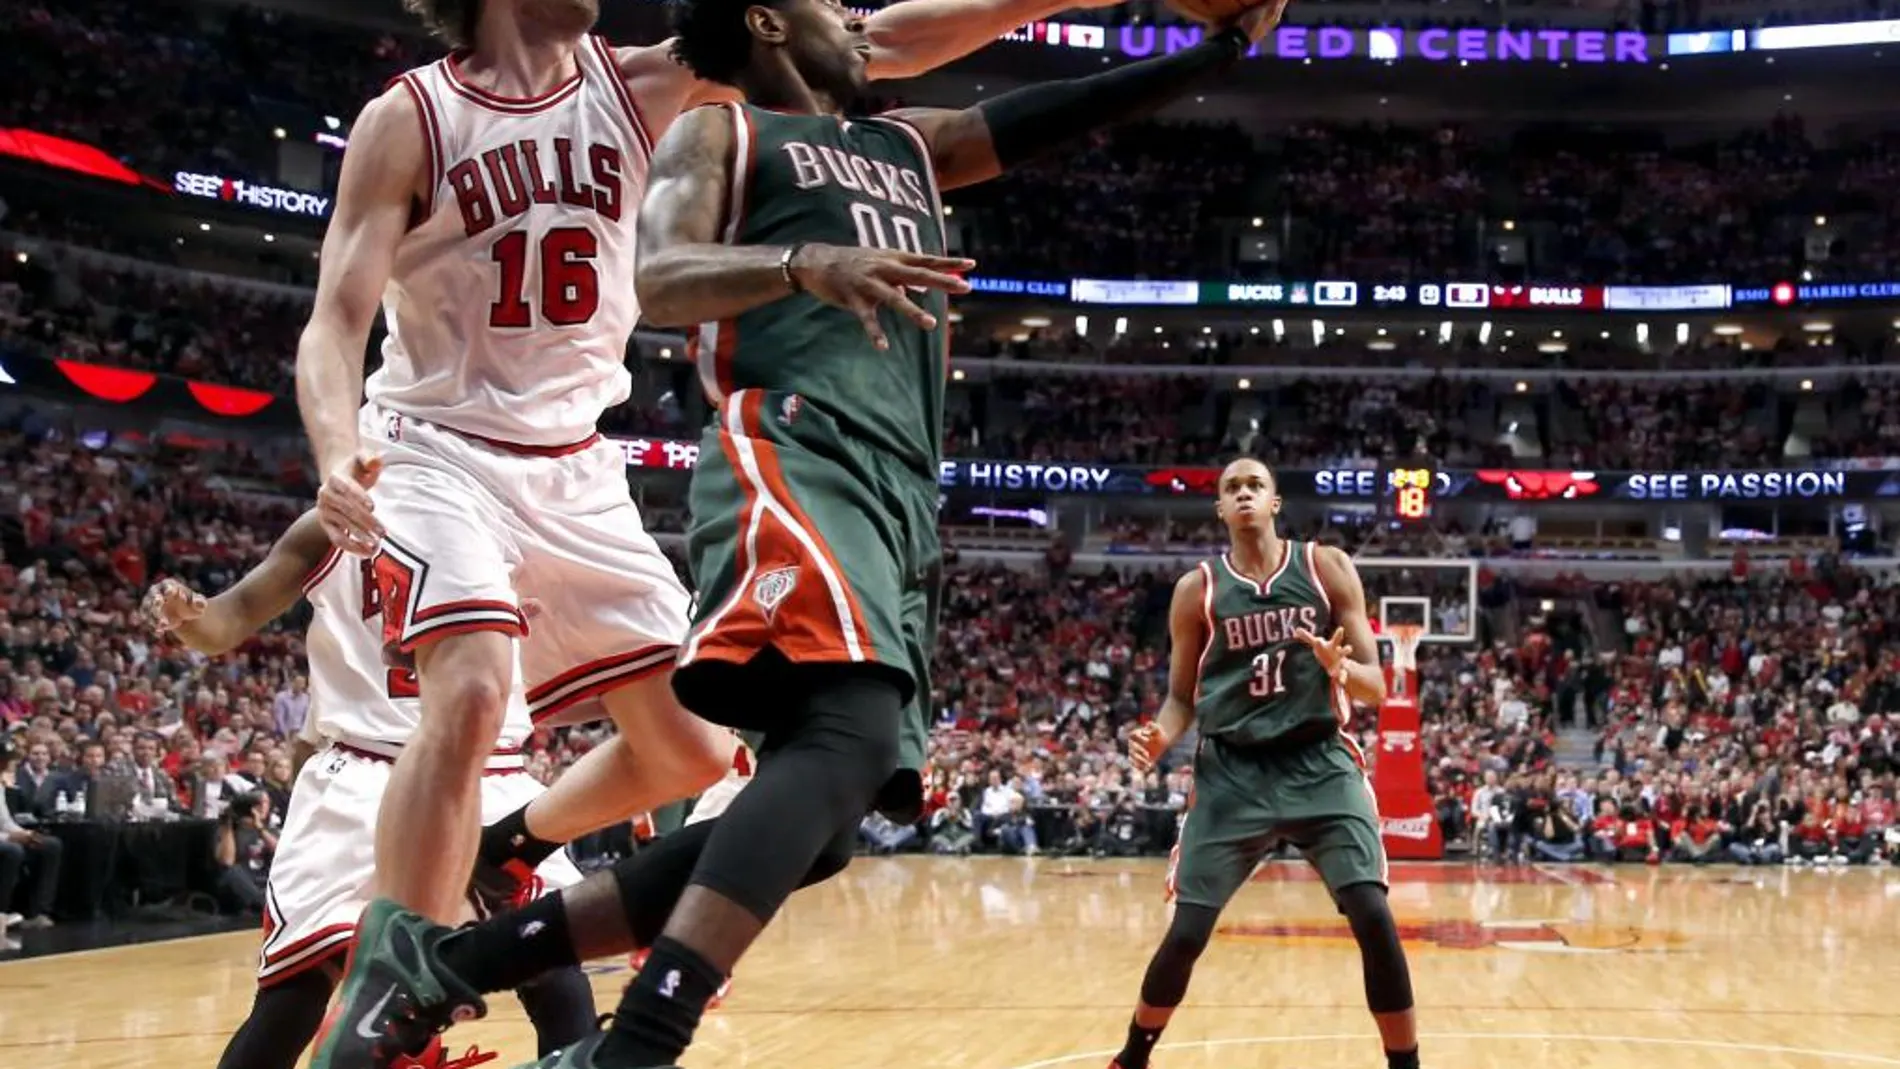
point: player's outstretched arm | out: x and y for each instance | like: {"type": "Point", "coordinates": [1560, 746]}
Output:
{"type": "Point", "coordinates": [1352, 654]}
{"type": "Point", "coordinates": [914, 36]}
{"type": "Point", "coordinates": [384, 172]}
{"type": "Point", "coordinates": [688, 276]}
{"type": "Point", "coordinates": [1187, 633]}
{"type": "Point", "coordinates": [907, 39]}
{"type": "Point", "coordinates": [978, 143]}
{"type": "Point", "coordinates": [217, 625]}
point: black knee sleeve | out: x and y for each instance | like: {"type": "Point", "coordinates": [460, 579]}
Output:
{"type": "Point", "coordinates": [835, 857]}
{"type": "Point", "coordinates": [824, 770]}
{"type": "Point", "coordinates": [652, 880]}
{"type": "Point", "coordinates": [284, 1019]}
{"type": "Point", "coordinates": [1388, 977]}
{"type": "Point", "coordinates": [561, 1006]}
{"type": "Point", "coordinates": [1165, 983]}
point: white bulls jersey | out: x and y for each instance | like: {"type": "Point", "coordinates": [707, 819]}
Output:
{"type": "Point", "coordinates": [354, 695]}
{"type": "Point", "coordinates": [510, 305]}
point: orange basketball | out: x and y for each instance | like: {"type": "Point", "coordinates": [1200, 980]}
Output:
{"type": "Point", "coordinates": [1212, 12]}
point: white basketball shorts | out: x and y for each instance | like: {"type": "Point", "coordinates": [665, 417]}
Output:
{"type": "Point", "coordinates": [476, 526]}
{"type": "Point", "coordinates": [326, 858]}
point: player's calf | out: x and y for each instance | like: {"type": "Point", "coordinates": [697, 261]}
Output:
{"type": "Point", "coordinates": [284, 1018]}
{"type": "Point", "coordinates": [434, 794]}
{"type": "Point", "coordinates": [1165, 983]}
{"type": "Point", "coordinates": [1388, 977]}
{"type": "Point", "coordinates": [560, 1004]}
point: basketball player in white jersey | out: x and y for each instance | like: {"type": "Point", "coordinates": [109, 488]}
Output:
{"type": "Point", "coordinates": [487, 205]}
{"type": "Point", "coordinates": [362, 712]}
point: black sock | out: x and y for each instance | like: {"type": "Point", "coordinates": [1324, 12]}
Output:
{"type": "Point", "coordinates": [509, 839]}
{"type": "Point", "coordinates": [1140, 1043]}
{"type": "Point", "coordinates": [661, 1009]}
{"type": "Point", "coordinates": [1401, 1059]}
{"type": "Point", "coordinates": [513, 948]}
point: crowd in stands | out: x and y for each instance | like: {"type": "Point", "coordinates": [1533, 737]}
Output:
{"type": "Point", "coordinates": [1174, 535]}
{"type": "Point", "coordinates": [1139, 201]}
{"type": "Point", "coordinates": [1747, 717]}
{"type": "Point", "coordinates": [166, 87]}
{"type": "Point", "coordinates": [1383, 202]}
{"type": "Point", "coordinates": [102, 71]}
{"type": "Point", "coordinates": [1371, 346]}
{"type": "Point", "coordinates": [58, 301]}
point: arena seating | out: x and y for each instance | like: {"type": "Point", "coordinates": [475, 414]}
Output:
{"type": "Point", "coordinates": [126, 312]}
{"type": "Point", "coordinates": [102, 71]}
{"type": "Point", "coordinates": [1695, 696]}
{"type": "Point", "coordinates": [1691, 701]}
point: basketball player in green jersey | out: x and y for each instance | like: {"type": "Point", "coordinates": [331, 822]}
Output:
{"type": "Point", "coordinates": [806, 252]}
{"type": "Point", "coordinates": [1271, 699]}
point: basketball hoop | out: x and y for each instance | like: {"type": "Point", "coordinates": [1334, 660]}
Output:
{"type": "Point", "coordinates": [1405, 639]}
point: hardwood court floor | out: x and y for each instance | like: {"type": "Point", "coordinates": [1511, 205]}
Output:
{"type": "Point", "coordinates": [1008, 964]}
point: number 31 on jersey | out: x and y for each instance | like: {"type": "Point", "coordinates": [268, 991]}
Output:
{"type": "Point", "coordinates": [1269, 674]}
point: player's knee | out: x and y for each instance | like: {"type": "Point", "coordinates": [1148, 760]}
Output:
{"type": "Point", "coordinates": [465, 685]}
{"type": "Point", "coordinates": [468, 710]}
{"type": "Point", "coordinates": [705, 756]}
{"type": "Point", "coordinates": [666, 740]}
{"type": "Point", "coordinates": [1367, 912]}
{"type": "Point", "coordinates": [855, 723]}
{"type": "Point", "coordinates": [834, 858]}
{"type": "Point", "coordinates": [1188, 934]}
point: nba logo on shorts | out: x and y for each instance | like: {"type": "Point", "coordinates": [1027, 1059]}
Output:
{"type": "Point", "coordinates": [788, 409]}
{"type": "Point", "coordinates": [773, 588]}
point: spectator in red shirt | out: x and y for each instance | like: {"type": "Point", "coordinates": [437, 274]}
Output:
{"type": "Point", "coordinates": [1852, 844]}
{"type": "Point", "coordinates": [1697, 837]}
{"type": "Point", "coordinates": [1811, 840]}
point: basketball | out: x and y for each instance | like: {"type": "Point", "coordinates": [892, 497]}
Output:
{"type": "Point", "coordinates": [1211, 12]}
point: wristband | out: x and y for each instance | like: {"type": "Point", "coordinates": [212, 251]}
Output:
{"type": "Point", "coordinates": [785, 266]}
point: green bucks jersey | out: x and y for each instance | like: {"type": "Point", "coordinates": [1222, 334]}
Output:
{"type": "Point", "coordinates": [1256, 681]}
{"type": "Point", "coordinates": [821, 179]}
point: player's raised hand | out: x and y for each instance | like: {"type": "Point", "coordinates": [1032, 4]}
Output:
{"type": "Point", "coordinates": [862, 280]}
{"type": "Point", "coordinates": [344, 506]}
{"type": "Point", "coordinates": [1146, 744]}
{"type": "Point", "coordinates": [170, 604]}
{"type": "Point", "coordinates": [1332, 652]}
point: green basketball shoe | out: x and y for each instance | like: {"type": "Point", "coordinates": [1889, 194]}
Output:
{"type": "Point", "coordinates": [396, 994]}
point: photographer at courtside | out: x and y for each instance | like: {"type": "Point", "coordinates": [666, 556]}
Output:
{"type": "Point", "coordinates": [243, 852]}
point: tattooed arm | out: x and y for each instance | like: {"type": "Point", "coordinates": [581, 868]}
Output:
{"type": "Point", "coordinates": [688, 276]}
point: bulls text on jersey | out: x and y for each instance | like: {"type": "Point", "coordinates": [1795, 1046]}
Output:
{"type": "Point", "coordinates": [505, 181]}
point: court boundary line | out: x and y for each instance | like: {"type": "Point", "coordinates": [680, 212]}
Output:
{"type": "Point", "coordinates": [68, 955]}
{"type": "Point", "coordinates": [1653, 1041]}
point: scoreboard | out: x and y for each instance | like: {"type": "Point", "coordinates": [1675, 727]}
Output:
{"type": "Point", "coordinates": [1410, 491]}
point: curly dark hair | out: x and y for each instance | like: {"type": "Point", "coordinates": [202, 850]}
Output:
{"type": "Point", "coordinates": [710, 36]}
{"type": "Point", "coordinates": [452, 20]}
